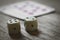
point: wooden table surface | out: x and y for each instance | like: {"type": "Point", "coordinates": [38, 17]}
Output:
{"type": "Point", "coordinates": [48, 25]}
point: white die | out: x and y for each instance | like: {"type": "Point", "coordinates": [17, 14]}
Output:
{"type": "Point", "coordinates": [31, 24]}
{"type": "Point", "coordinates": [13, 26]}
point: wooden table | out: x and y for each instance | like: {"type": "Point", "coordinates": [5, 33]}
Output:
{"type": "Point", "coordinates": [48, 25]}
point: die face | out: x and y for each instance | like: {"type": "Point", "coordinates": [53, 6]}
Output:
{"type": "Point", "coordinates": [12, 21]}
{"type": "Point", "coordinates": [14, 28]}
{"type": "Point", "coordinates": [35, 24]}
{"type": "Point", "coordinates": [31, 26]}
{"type": "Point", "coordinates": [30, 19]}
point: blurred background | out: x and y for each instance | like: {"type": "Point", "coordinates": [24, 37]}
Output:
{"type": "Point", "coordinates": [52, 3]}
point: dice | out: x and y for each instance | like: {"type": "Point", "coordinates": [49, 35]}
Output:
{"type": "Point", "coordinates": [31, 24]}
{"type": "Point", "coordinates": [13, 27]}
